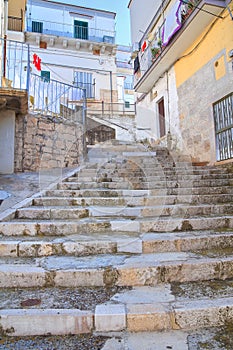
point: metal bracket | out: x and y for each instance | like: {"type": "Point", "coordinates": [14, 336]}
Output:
{"type": "Point", "coordinates": [229, 10]}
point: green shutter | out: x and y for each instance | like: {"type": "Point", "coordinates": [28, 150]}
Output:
{"type": "Point", "coordinates": [81, 30]}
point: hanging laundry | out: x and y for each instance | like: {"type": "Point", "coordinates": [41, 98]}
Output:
{"type": "Point", "coordinates": [136, 65]}
{"type": "Point", "coordinates": [144, 46]}
{"type": "Point", "coordinates": [172, 23]}
{"type": "Point", "coordinates": [37, 62]}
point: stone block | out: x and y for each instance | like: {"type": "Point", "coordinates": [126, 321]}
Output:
{"type": "Point", "coordinates": [203, 313]}
{"type": "Point", "coordinates": [36, 249]}
{"type": "Point", "coordinates": [43, 322]}
{"type": "Point", "coordinates": [79, 278]}
{"type": "Point", "coordinates": [18, 229]}
{"type": "Point", "coordinates": [130, 276]}
{"type": "Point", "coordinates": [21, 276]}
{"type": "Point", "coordinates": [9, 248]}
{"type": "Point", "coordinates": [147, 317]}
{"type": "Point", "coordinates": [86, 248]}
{"type": "Point", "coordinates": [110, 317]}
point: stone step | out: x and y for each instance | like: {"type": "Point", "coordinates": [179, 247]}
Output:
{"type": "Point", "coordinates": [154, 189]}
{"type": "Point", "coordinates": [162, 177]}
{"type": "Point", "coordinates": [129, 198]}
{"type": "Point", "coordinates": [86, 245]}
{"type": "Point", "coordinates": [115, 270]}
{"type": "Point", "coordinates": [67, 212]}
{"type": "Point", "coordinates": [92, 225]}
{"type": "Point", "coordinates": [152, 171]}
{"type": "Point", "coordinates": [140, 309]}
{"type": "Point", "coordinates": [133, 183]}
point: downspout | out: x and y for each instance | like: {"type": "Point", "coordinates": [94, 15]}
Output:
{"type": "Point", "coordinates": [5, 36]}
{"type": "Point", "coordinates": [168, 103]}
{"type": "Point", "coordinates": [169, 136]}
{"type": "Point", "coordinates": [111, 96]}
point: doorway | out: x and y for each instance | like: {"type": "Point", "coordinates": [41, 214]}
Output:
{"type": "Point", "coordinates": [161, 109]}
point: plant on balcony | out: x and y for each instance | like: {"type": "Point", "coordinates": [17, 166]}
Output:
{"type": "Point", "coordinates": [189, 6]}
{"type": "Point", "coordinates": [155, 52]}
{"type": "Point", "coordinates": [160, 43]}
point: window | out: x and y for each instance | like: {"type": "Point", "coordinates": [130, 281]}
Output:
{"type": "Point", "coordinates": [45, 75]}
{"type": "Point", "coordinates": [81, 30]}
{"type": "Point", "coordinates": [223, 121]}
{"type": "Point", "coordinates": [37, 27]}
{"type": "Point", "coordinates": [85, 80]}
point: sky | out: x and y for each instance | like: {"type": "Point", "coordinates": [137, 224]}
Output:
{"type": "Point", "coordinates": [118, 6]}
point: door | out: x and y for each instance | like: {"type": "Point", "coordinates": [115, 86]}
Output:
{"type": "Point", "coordinates": [161, 109]}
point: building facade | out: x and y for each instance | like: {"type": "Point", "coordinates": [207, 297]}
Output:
{"type": "Point", "coordinates": [184, 75]}
{"type": "Point", "coordinates": [74, 45]}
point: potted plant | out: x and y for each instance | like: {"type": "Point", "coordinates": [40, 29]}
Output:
{"type": "Point", "coordinates": [160, 43]}
{"type": "Point", "coordinates": [155, 51]}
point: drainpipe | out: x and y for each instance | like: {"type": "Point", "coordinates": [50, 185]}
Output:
{"type": "Point", "coordinates": [84, 123]}
{"type": "Point", "coordinates": [5, 36]}
{"type": "Point", "coordinates": [111, 90]}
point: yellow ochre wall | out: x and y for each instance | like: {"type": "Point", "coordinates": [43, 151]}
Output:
{"type": "Point", "coordinates": [17, 8]}
{"type": "Point", "coordinates": [220, 36]}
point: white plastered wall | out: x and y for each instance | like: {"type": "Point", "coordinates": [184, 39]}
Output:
{"type": "Point", "coordinates": [147, 119]}
{"type": "Point", "coordinates": [7, 141]}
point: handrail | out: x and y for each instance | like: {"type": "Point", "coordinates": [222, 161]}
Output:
{"type": "Point", "coordinates": [109, 108]}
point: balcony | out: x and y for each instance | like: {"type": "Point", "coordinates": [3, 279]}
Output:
{"type": "Point", "coordinates": [70, 31]}
{"type": "Point", "coordinates": [15, 24]}
{"type": "Point", "coordinates": [154, 64]}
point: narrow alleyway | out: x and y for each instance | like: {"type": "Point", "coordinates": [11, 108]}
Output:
{"type": "Point", "coordinates": [136, 240]}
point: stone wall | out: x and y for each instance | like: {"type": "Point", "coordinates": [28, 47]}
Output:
{"type": "Point", "coordinates": [196, 98]}
{"type": "Point", "coordinates": [43, 143]}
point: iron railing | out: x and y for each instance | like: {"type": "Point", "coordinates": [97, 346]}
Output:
{"type": "Point", "coordinates": [47, 97]}
{"type": "Point", "coordinates": [15, 64]}
{"type": "Point", "coordinates": [223, 119]}
{"type": "Point", "coordinates": [54, 98]}
{"type": "Point", "coordinates": [70, 31]}
{"type": "Point", "coordinates": [103, 109]}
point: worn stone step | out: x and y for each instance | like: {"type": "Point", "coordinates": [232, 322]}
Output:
{"type": "Point", "coordinates": [125, 182]}
{"type": "Point", "coordinates": [84, 245]}
{"type": "Point", "coordinates": [106, 191]}
{"type": "Point", "coordinates": [139, 177]}
{"type": "Point", "coordinates": [137, 310]}
{"type": "Point", "coordinates": [91, 225]}
{"type": "Point", "coordinates": [199, 190]}
{"type": "Point", "coordinates": [115, 270]}
{"type": "Point", "coordinates": [154, 171]}
{"type": "Point", "coordinates": [126, 197]}
{"type": "Point", "coordinates": [103, 193]}
{"type": "Point", "coordinates": [66, 212]}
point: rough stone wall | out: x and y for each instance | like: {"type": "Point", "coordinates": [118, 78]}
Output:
{"type": "Point", "coordinates": [42, 143]}
{"type": "Point", "coordinates": [196, 98]}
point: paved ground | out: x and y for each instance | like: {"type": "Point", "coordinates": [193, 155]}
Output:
{"type": "Point", "coordinates": [20, 186]}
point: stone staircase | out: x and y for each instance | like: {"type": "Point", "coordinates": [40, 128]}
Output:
{"type": "Point", "coordinates": [137, 240]}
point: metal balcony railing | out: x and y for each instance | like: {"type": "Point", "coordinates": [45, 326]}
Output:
{"type": "Point", "coordinates": [15, 24]}
{"type": "Point", "coordinates": [103, 109]}
{"type": "Point", "coordinates": [70, 31]}
{"type": "Point", "coordinates": [155, 47]}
